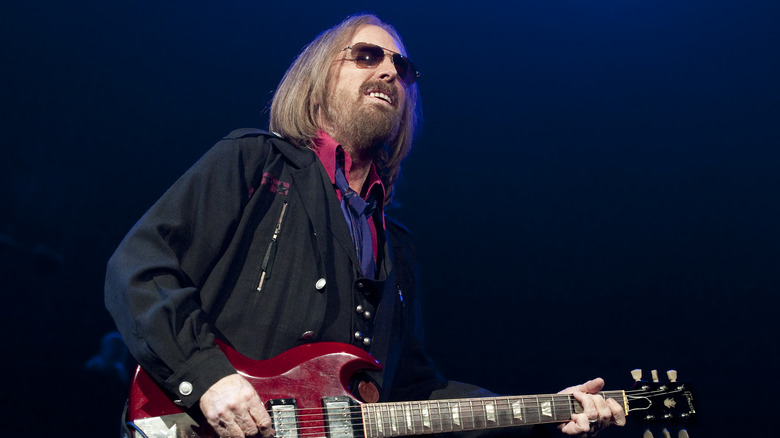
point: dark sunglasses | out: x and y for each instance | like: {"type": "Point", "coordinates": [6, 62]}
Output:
{"type": "Point", "coordinates": [368, 55]}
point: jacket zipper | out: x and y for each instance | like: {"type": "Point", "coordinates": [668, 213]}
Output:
{"type": "Point", "coordinates": [270, 252]}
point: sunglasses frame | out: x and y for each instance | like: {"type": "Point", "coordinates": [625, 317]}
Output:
{"type": "Point", "coordinates": [397, 59]}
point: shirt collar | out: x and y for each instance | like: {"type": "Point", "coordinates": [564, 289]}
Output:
{"type": "Point", "coordinates": [330, 152]}
{"type": "Point", "coordinates": [327, 150]}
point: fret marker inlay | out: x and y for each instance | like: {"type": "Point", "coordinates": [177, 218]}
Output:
{"type": "Point", "coordinates": [379, 425]}
{"type": "Point", "coordinates": [517, 410]}
{"type": "Point", "coordinates": [490, 411]}
{"type": "Point", "coordinates": [456, 415]}
{"type": "Point", "coordinates": [547, 409]}
{"type": "Point", "coordinates": [393, 421]}
{"type": "Point", "coordinates": [426, 417]}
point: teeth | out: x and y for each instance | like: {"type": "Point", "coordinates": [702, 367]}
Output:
{"type": "Point", "coordinates": [382, 96]}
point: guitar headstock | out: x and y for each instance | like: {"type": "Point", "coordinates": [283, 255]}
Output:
{"type": "Point", "coordinates": [656, 401]}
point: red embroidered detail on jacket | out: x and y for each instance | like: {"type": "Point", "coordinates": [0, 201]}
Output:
{"type": "Point", "coordinates": [274, 185]}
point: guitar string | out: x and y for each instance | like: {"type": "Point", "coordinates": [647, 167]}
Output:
{"type": "Point", "coordinates": [438, 416]}
{"type": "Point", "coordinates": [557, 400]}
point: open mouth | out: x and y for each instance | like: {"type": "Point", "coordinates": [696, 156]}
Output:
{"type": "Point", "coordinates": [380, 95]}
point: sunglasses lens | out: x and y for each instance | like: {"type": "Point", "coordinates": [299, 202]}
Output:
{"type": "Point", "coordinates": [370, 55]}
{"type": "Point", "coordinates": [367, 56]}
{"type": "Point", "coordinates": [405, 69]}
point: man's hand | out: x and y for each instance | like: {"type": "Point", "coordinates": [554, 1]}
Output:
{"type": "Point", "coordinates": [233, 408]}
{"type": "Point", "coordinates": [597, 412]}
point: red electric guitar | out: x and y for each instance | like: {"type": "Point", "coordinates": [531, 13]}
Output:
{"type": "Point", "coordinates": [308, 396]}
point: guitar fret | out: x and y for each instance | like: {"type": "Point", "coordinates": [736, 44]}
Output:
{"type": "Point", "coordinates": [563, 407]}
{"type": "Point", "coordinates": [408, 417]}
{"type": "Point", "coordinates": [503, 412]}
{"type": "Point", "coordinates": [444, 416]}
{"type": "Point", "coordinates": [434, 409]}
{"type": "Point", "coordinates": [393, 419]}
{"type": "Point", "coordinates": [545, 408]}
{"type": "Point", "coordinates": [379, 428]}
{"type": "Point", "coordinates": [455, 413]}
{"type": "Point", "coordinates": [417, 426]}
{"type": "Point", "coordinates": [517, 410]}
{"type": "Point", "coordinates": [490, 411]}
{"type": "Point", "coordinates": [532, 413]}
{"type": "Point", "coordinates": [390, 426]}
{"type": "Point", "coordinates": [466, 416]}
{"type": "Point", "coordinates": [368, 426]}
{"type": "Point", "coordinates": [399, 414]}
{"type": "Point", "coordinates": [445, 410]}
{"type": "Point", "coordinates": [383, 420]}
{"type": "Point", "coordinates": [480, 421]}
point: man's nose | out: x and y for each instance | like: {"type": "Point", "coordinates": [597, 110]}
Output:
{"type": "Point", "coordinates": [386, 70]}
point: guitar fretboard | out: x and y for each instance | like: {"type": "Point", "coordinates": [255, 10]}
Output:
{"type": "Point", "coordinates": [425, 417]}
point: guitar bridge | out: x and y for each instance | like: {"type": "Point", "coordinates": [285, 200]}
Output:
{"type": "Point", "coordinates": [284, 417]}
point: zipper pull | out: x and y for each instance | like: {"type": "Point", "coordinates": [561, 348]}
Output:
{"type": "Point", "coordinates": [270, 252]}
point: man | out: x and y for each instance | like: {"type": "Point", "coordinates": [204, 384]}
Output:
{"type": "Point", "coordinates": [276, 240]}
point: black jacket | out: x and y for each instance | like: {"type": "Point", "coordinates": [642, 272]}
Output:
{"type": "Point", "coordinates": [189, 271]}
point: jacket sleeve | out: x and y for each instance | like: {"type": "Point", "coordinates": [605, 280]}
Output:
{"type": "Point", "coordinates": [153, 278]}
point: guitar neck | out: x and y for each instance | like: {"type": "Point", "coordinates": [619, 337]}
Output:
{"type": "Point", "coordinates": [425, 417]}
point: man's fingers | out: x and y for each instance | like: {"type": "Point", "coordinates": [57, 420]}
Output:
{"type": "Point", "coordinates": [261, 419]}
{"type": "Point", "coordinates": [579, 424]}
{"type": "Point", "coordinates": [618, 416]}
{"type": "Point", "coordinates": [246, 424]}
{"type": "Point", "coordinates": [604, 411]}
{"type": "Point", "coordinates": [225, 428]}
{"type": "Point", "coordinates": [592, 386]}
{"type": "Point", "coordinates": [589, 409]}
{"type": "Point", "coordinates": [597, 412]}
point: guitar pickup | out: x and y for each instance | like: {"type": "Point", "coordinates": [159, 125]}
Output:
{"type": "Point", "coordinates": [284, 417]}
{"type": "Point", "coordinates": [339, 411]}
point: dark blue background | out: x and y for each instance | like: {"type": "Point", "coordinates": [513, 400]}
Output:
{"type": "Point", "coordinates": [594, 188]}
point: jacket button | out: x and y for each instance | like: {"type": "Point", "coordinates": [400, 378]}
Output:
{"type": "Point", "coordinates": [366, 341]}
{"type": "Point", "coordinates": [307, 335]}
{"type": "Point", "coordinates": [360, 285]}
{"type": "Point", "coordinates": [359, 309]}
{"type": "Point", "coordinates": [367, 314]}
{"type": "Point", "coordinates": [320, 284]}
{"type": "Point", "coordinates": [185, 388]}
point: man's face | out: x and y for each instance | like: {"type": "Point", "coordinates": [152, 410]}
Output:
{"type": "Point", "coordinates": [364, 105]}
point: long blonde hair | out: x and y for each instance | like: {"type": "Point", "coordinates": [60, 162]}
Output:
{"type": "Point", "coordinates": [294, 108]}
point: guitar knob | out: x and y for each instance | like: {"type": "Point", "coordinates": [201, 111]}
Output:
{"type": "Point", "coordinates": [666, 433]}
{"type": "Point", "coordinates": [647, 434]}
{"type": "Point", "coordinates": [636, 374]}
{"type": "Point", "coordinates": [672, 375]}
{"type": "Point", "coordinates": [654, 373]}
{"type": "Point", "coordinates": [682, 434]}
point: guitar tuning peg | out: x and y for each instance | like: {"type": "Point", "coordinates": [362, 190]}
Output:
{"type": "Point", "coordinates": [654, 373]}
{"type": "Point", "coordinates": [683, 434]}
{"type": "Point", "coordinates": [647, 434]}
{"type": "Point", "coordinates": [666, 433]}
{"type": "Point", "coordinates": [672, 375]}
{"type": "Point", "coordinates": [636, 374]}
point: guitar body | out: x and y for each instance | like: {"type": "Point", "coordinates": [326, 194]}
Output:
{"type": "Point", "coordinates": [307, 393]}
{"type": "Point", "coordinates": [305, 374]}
